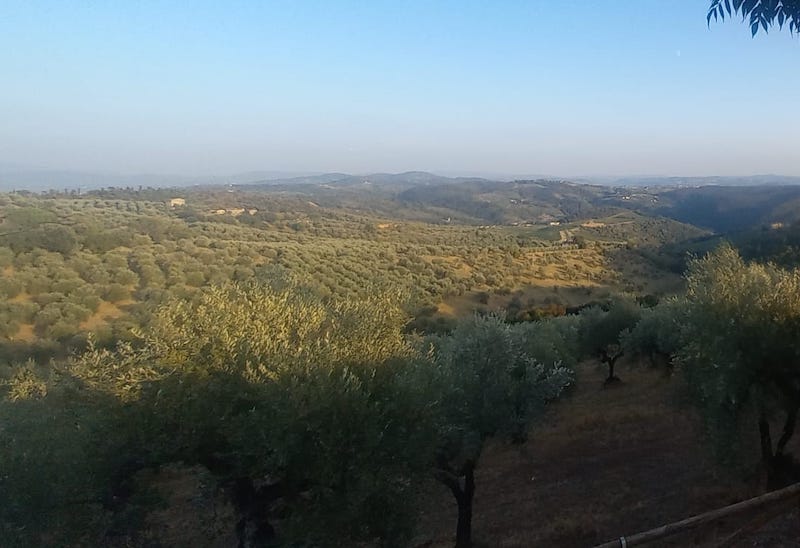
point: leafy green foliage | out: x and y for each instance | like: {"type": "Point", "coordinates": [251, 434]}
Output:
{"type": "Point", "coordinates": [489, 386]}
{"type": "Point", "coordinates": [120, 257]}
{"type": "Point", "coordinates": [761, 14]}
{"type": "Point", "coordinates": [657, 332]}
{"type": "Point", "coordinates": [602, 330]}
{"type": "Point", "coordinates": [739, 342]}
{"type": "Point", "coordinates": [320, 397]}
{"type": "Point", "coordinates": [497, 386]}
{"type": "Point", "coordinates": [52, 475]}
{"type": "Point", "coordinates": [315, 388]}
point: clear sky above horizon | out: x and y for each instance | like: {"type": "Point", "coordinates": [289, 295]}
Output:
{"type": "Point", "coordinates": [567, 87]}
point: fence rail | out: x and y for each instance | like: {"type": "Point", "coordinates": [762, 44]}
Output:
{"type": "Point", "coordinates": [787, 493]}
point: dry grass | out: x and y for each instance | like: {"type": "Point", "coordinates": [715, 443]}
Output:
{"type": "Point", "coordinates": [26, 333]}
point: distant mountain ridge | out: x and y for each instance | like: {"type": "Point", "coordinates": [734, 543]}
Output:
{"type": "Point", "coordinates": [407, 178]}
{"type": "Point", "coordinates": [705, 202]}
{"type": "Point", "coordinates": [13, 177]}
{"type": "Point", "coordinates": [720, 204]}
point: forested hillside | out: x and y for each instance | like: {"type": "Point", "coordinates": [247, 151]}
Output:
{"type": "Point", "coordinates": [102, 263]}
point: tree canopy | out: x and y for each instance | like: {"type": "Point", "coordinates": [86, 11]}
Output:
{"type": "Point", "coordinates": [491, 382]}
{"type": "Point", "coordinates": [739, 346]}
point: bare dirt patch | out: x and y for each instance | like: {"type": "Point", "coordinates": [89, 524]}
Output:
{"type": "Point", "coordinates": [25, 333]}
{"type": "Point", "coordinates": [105, 312]}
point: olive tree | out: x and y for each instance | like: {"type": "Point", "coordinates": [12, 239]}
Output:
{"type": "Point", "coordinates": [601, 331]}
{"type": "Point", "coordinates": [256, 382]}
{"type": "Point", "coordinates": [739, 345]}
{"type": "Point", "coordinates": [489, 386]}
{"type": "Point", "coordinates": [53, 445]}
{"type": "Point", "coordinates": [657, 333]}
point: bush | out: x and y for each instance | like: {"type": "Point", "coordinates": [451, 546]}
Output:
{"type": "Point", "coordinates": [8, 325]}
{"type": "Point", "coordinates": [10, 287]}
{"type": "Point", "coordinates": [115, 293]}
{"type": "Point", "coordinates": [6, 257]}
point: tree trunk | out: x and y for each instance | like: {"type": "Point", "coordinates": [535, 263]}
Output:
{"type": "Point", "coordinates": [611, 364]}
{"type": "Point", "coordinates": [464, 499]}
{"type": "Point", "coordinates": [788, 429]}
{"type": "Point", "coordinates": [463, 496]}
{"type": "Point", "coordinates": [611, 361]}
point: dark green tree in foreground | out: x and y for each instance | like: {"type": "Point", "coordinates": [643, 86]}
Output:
{"type": "Point", "coordinates": [250, 381]}
{"type": "Point", "coordinates": [760, 14]}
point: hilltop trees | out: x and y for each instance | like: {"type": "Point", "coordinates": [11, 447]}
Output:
{"type": "Point", "coordinates": [352, 413]}
{"type": "Point", "coordinates": [318, 396]}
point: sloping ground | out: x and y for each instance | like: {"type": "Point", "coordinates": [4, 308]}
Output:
{"type": "Point", "coordinates": [605, 463]}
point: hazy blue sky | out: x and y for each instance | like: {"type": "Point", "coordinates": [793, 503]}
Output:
{"type": "Point", "coordinates": [560, 87]}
